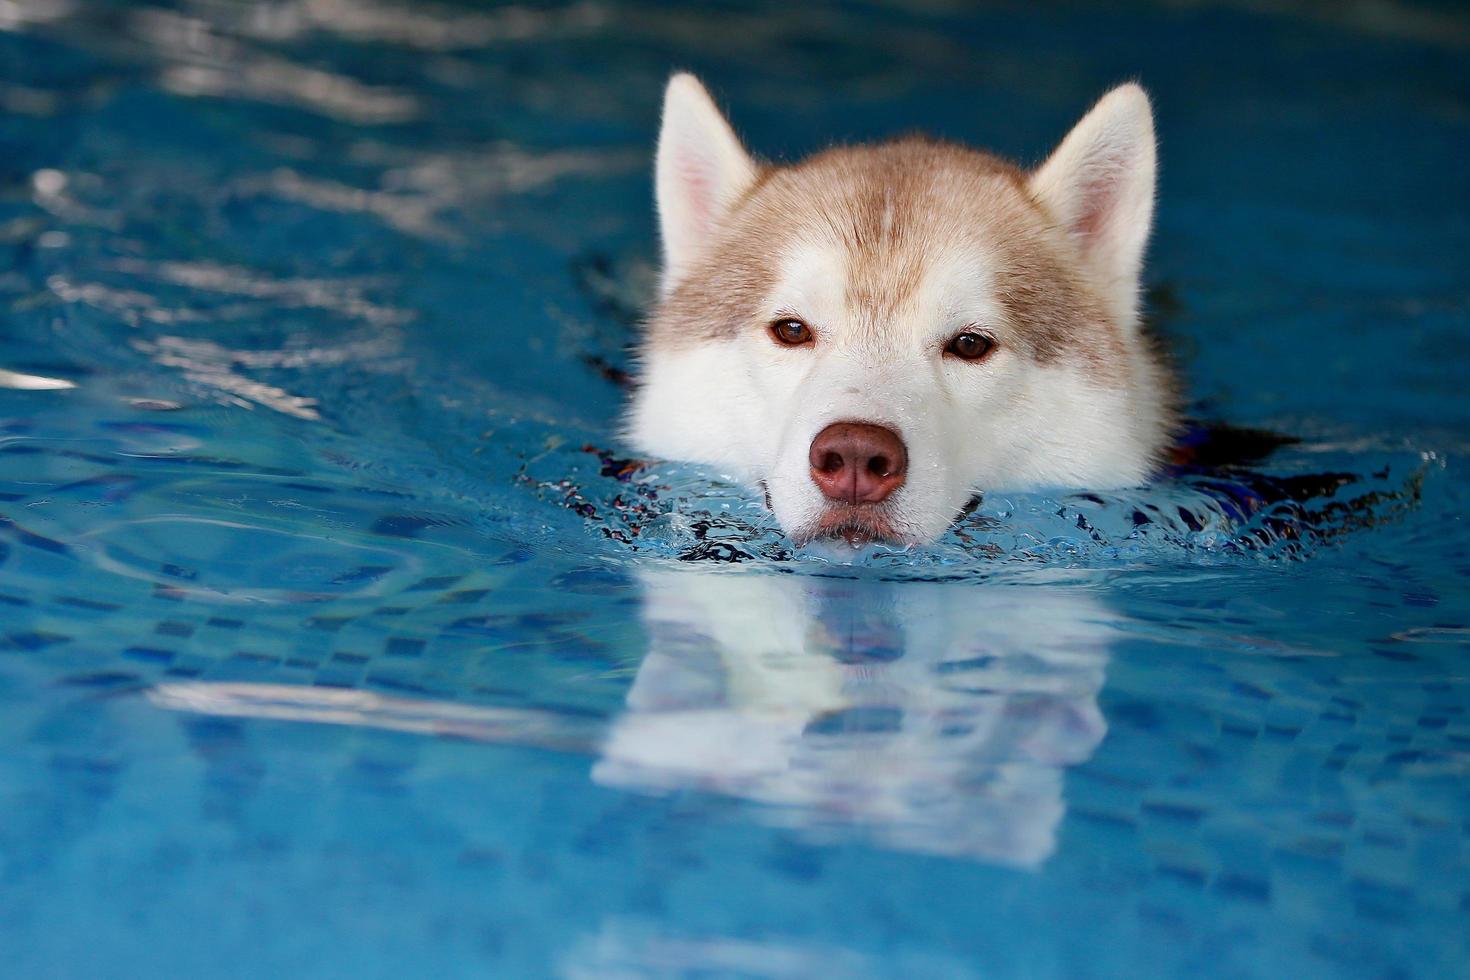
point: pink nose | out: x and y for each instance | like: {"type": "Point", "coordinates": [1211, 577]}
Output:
{"type": "Point", "coordinates": [858, 462]}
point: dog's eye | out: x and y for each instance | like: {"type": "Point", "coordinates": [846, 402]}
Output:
{"type": "Point", "coordinates": [791, 332]}
{"type": "Point", "coordinates": [970, 346]}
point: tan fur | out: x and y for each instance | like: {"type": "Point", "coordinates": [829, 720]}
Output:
{"type": "Point", "coordinates": [893, 207]}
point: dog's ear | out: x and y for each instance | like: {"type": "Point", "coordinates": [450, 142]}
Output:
{"type": "Point", "coordinates": [1099, 185]}
{"type": "Point", "coordinates": [702, 171]}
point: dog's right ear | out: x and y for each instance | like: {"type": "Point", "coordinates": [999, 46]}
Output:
{"type": "Point", "coordinates": [702, 171]}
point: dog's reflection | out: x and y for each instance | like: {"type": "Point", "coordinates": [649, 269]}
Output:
{"type": "Point", "coordinates": [933, 717]}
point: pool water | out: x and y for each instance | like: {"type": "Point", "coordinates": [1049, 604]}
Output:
{"type": "Point", "coordinates": [340, 637]}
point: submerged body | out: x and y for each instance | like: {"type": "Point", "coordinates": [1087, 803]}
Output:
{"type": "Point", "coordinates": [877, 333]}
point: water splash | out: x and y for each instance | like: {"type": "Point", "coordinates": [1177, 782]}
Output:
{"type": "Point", "coordinates": [693, 515]}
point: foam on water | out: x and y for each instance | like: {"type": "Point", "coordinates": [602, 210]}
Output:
{"type": "Point", "coordinates": [665, 511]}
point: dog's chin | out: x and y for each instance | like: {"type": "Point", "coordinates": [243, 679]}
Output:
{"type": "Point", "coordinates": [856, 526]}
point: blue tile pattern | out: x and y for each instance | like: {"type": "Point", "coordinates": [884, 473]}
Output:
{"type": "Point", "coordinates": [339, 636]}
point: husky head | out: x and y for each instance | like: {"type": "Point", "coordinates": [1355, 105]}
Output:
{"type": "Point", "coordinates": [876, 333]}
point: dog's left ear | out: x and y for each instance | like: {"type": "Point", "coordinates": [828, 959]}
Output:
{"type": "Point", "coordinates": [702, 171]}
{"type": "Point", "coordinates": [1099, 185]}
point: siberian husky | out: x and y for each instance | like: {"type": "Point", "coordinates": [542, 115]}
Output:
{"type": "Point", "coordinates": [876, 333]}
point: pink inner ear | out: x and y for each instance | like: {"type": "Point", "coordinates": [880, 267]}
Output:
{"type": "Point", "coordinates": [694, 180]}
{"type": "Point", "coordinates": [698, 190]}
{"type": "Point", "coordinates": [1099, 194]}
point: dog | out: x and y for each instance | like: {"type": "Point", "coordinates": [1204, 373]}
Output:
{"type": "Point", "coordinates": [876, 333]}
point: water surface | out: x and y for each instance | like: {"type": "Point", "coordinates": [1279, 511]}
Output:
{"type": "Point", "coordinates": [340, 637]}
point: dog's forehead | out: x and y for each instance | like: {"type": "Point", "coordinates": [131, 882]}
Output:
{"type": "Point", "coordinates": [891, 213]}
{"type": "Point", "coordinates": [916, 228]}
{"type": "Point", "coordinates": [877, 231]}
{"type": "Point", "coordinates": [867, 294]}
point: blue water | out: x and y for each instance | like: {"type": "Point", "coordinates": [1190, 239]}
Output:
{"type": "Point", "coordinates": [340, 638]}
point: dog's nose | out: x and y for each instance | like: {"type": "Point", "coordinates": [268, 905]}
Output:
{"type": "Point", "coordinates": [858, 462]}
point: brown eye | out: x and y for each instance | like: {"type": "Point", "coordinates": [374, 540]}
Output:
{"type": "Point", "coordinates": [791, 332]}
{"type": "Point", "coordinates": [970, 346]}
